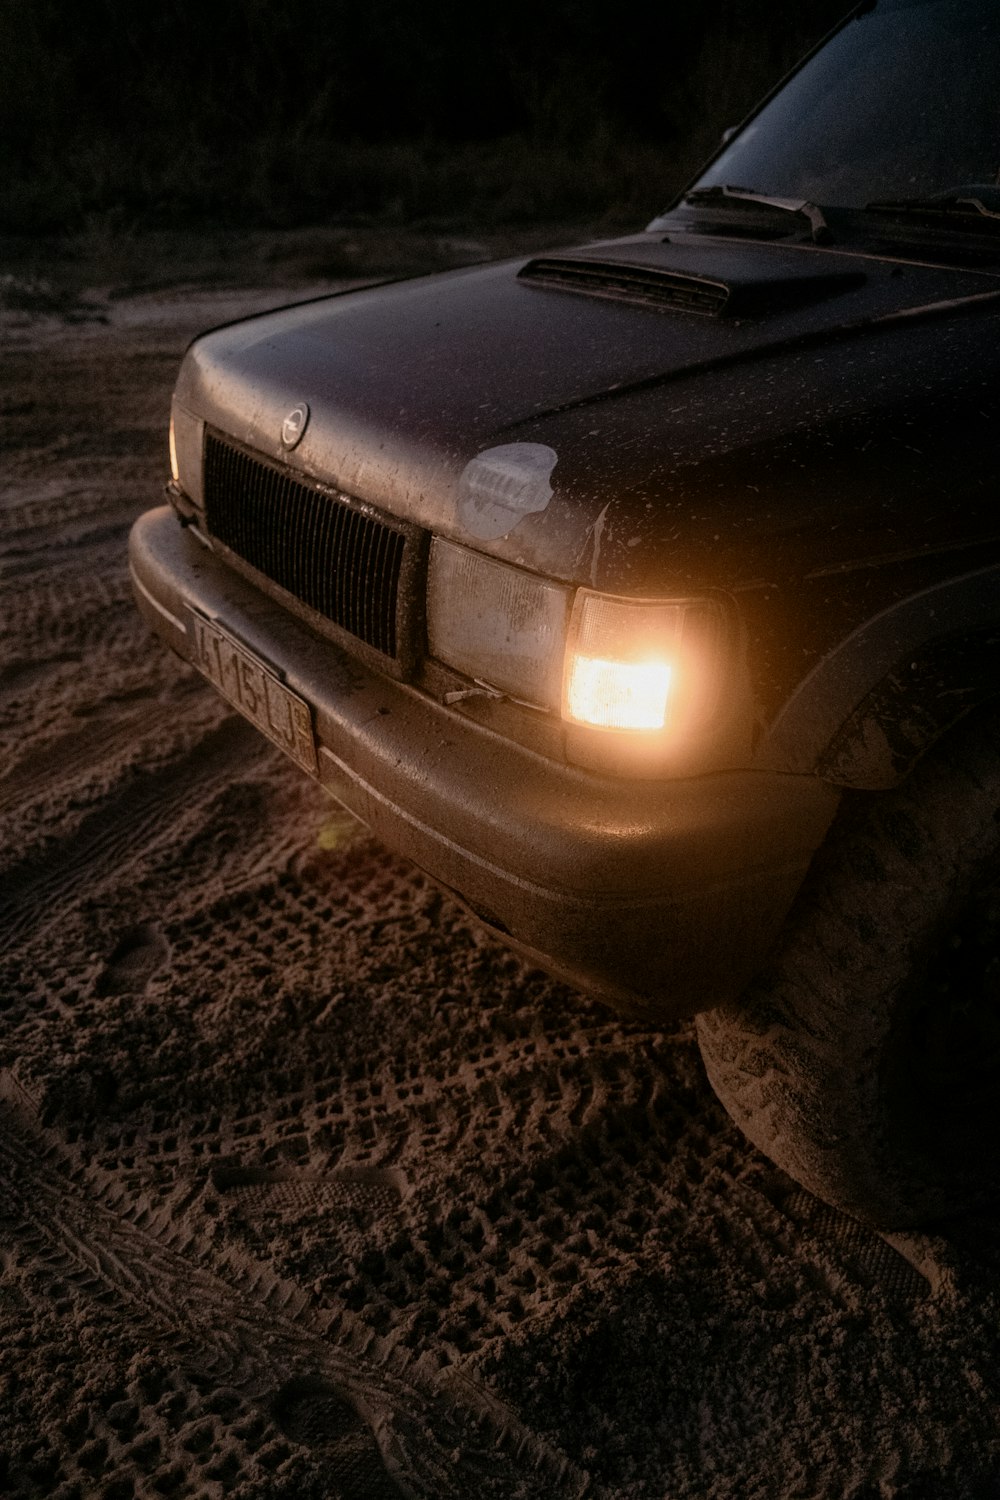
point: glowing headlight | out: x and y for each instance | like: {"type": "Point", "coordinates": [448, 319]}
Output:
{"type": "Point", "coordinates": [639, 665]}
{"type": "Point", "coordinates": [497, 624]}
{"type": "Point", "coordinates": [175, 472]}
{"type": "Point", "coordinates": [618, 694]}
{"type": "Point", "coordinates": [632, 679]}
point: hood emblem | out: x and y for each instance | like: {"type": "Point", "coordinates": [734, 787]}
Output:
{"type": "Point", "coordinates": [500, 486]}
{"type": "Point", "coordinates": [294, 425]}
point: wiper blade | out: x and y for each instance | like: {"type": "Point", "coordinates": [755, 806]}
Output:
{"type": "Point", "coordinates": [978, 199]}
{"type": "Point", "coordinates": [725, 194]}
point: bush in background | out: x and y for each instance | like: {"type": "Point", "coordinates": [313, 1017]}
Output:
{"type": "Point", "coordinates": [279, 112]}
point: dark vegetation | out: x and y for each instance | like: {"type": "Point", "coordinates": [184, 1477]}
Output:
{"type": "Point", "coordinates": [273, 113]}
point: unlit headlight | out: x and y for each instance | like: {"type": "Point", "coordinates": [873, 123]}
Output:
{"type": "Point", "coordinates": [175, 472]}
{"type": "Point", "coordinates": [497, 624]}
{"type": "Point", "coordinates": [186, 434]}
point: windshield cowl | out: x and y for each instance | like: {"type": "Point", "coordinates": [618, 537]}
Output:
{"type": "Point", "coordinates": [900, 234]}
{"type": "Point", "coordinates": [976, 200]}
{"type": "Point", "coordinates": [800, 207]}
{"type": "Point", "coordinates": [890, 131]}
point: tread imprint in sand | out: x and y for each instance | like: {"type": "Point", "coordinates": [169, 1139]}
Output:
{"type": "Point", "coordinates": [381, 1420]}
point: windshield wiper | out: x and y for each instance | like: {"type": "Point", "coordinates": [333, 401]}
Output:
{"type": "Point", "coordinates": [723, 193]}
{"type": "Point", "coordinates": [978, 199]}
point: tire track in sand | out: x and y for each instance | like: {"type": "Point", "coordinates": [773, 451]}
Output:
{"type": "Point", "coordinates": [429, 1435]}
{"type": "Point", "coordinates": [49, 611]}
{"type": "Point", "coordinates": [81, 747]}
{"type": "Point", "coordinates": [141, 817]}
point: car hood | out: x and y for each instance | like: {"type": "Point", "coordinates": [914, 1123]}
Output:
{"type": "Point", "coordinates": [635, 414]}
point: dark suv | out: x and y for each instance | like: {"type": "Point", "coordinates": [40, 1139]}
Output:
{"type": "Point", "coordinates": [645, 595]}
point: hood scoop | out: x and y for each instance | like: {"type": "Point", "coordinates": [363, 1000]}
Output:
{"type": "Point", "coordinates": [670, 290]}
{"type": "Point", "coordinates": [652, 286]}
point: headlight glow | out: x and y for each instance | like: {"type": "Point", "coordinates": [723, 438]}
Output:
{"type": "Point", "coordinates": [618, 695]}
{"type": "Point", "coordinates": [636, 682]}
{"type": "Point", "coordinates": [641, 665]}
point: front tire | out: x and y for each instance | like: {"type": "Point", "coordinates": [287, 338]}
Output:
{"type": "Point", "coordinates": [866, 1061]}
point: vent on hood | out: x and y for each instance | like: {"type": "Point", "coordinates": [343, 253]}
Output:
{"type": "Point", "coordinates": [649, 285]}
{"type": "Point", "coordinates": [754, 291]}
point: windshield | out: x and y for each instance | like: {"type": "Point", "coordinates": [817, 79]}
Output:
{"type": "Point", "coordinates": [904, 102]}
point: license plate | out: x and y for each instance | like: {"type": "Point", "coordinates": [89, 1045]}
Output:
{"type": "Point", "coordinates": [254, 689]}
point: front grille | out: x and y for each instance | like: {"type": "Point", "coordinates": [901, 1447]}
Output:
{"type": "Point", "coordinates": [336, 558]}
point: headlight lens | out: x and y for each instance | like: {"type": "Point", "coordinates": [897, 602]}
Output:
{"type": "Point", "coordinates": [497, 624]}
{"type": "Point", "coordinates": [175, 472]}
{"type": "Point", "coordinates": [641, 664]}
{"type": "Point", "coordinates": [186, 436]}
{"type": "Point", "coordinates": [618, 694]}
{"type": "Point", "coordinates": [621, 672]}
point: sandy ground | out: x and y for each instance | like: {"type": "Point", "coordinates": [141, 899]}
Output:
{"type": "Point", "coordinates": [306, 1187]}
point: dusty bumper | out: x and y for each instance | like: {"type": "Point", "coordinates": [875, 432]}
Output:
{"type": "Point", "coordinates": [661, 896]}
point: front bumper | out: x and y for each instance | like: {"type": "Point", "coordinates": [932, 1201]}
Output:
{"type": "Point", "coordinates": [660, 897]}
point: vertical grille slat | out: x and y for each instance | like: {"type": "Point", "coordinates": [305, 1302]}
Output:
{"type": "Point", "coordinates": [315, 552]}
{"type": "Point", "coordinates": [358, 572]}
{"type": "Point", "coordinates": [396, 564]}
{"type": "Point", "coordinates": [377, 564]}
{"type": "Point", "coordinates": [345, 574]}
{"type": "Point", "coordinates": [340, 561]}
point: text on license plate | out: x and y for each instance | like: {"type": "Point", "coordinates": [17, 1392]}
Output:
{"type": "Point", "coordinates": [254, 689]}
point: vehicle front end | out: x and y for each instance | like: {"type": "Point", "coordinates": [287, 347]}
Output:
{"type": "Point", "coordinates": [585, 580]}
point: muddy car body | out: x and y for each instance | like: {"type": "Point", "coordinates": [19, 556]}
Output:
{"type": "Point", "coordinates": [597, 582]}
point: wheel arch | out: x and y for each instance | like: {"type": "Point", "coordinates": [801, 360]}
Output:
{"type": "Point", "coordinates": [870, 709]}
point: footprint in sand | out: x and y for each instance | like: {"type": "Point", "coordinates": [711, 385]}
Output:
{"type": "Point", "coordinates": [311, 1411]}
{"type": "Point", "coordinates": [140, 953]}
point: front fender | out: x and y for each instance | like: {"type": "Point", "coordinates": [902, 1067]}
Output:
{"type": "Point", "coordinates": [871, 707]}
